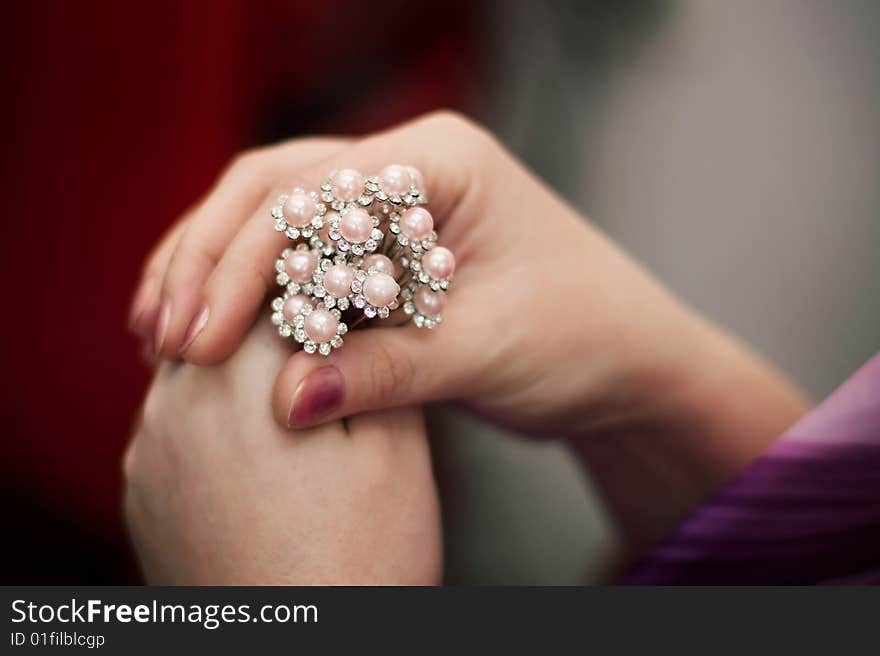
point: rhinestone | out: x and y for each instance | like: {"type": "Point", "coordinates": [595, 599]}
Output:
{"type": "Point", "coordinates": [402, 240]}
{"type": "Point", "coordinates": [319, 291]}
{"type": "Point", "coordinates": [381, 195]}
{"type": "Point", "coordinates": [342, 303]}
{"type": "Point", "coordinates": [329, 302]}
{"type": "Point", "coordinates": [281, 225]}
{"type": "Point", "coordinates": [342, 329]}
{"type": "Point", "coordinates": [356, 286]}
{"type": "Point", "coordinates": [384, 312]}
{"type": "Point", "coordinates": [326, 186]}
{"type": "Point", "coordinates": [337, 205]}
{"type": "Point", "coordinates": [279, 265]}
{"type": "Point", "coordinates": [284, 330]}
{"type": "Point", "coordinates": [292, 233]}
{"type": "Point", "coordinates": [364, 201]}
{"type": "Point", "coordinates": [277, 213]}
{"type": "Point", "coordinates": [358, 249]}
{"type": "Point", "coordinates": [395, 228]}
{"type": "Point", "coordinates": [419, 320]}
{"type": "Point", "coordinates": [324, 349]}
{"type": "Point", "coordinates": [336, 342]}
{"type": "Point", "coordinates": [370, 311]}
{"type": "Point", "coordinates": [409, 307]}
{"type": "Point", "coordinates": [277, 304]}
{"type": "Point", "coordinates": [299, 335]}
{"type": "Point", "coordinates": [309, 346]}
{"type": "Point", "coordinates": [376, 234]}
{"type": "Point", "coordinates": [370, 245]}
{"type": "Point", "coordinates": [277, 318]}
{"type": "Point", "coordinates": [359, 301]}
{"type": "Point", "coordinates": [282, 278]}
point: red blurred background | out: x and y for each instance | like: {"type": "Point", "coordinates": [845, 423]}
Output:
{"type": "Point", "coordinates": [119, 115]}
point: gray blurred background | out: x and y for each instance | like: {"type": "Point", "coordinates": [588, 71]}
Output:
{"type": "Point", "coordinates": [734, 149]}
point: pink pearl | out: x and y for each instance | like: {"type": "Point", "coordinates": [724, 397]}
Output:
{"type": "Point", "coordinates": [348, 185]}
{"type": "Point", "coordinates": [396, 179]}
{"type": "Point", "coordinates": [380, 289]}
{"type": "Point", "coordinates": [430, 303]}
{"type": "Point", "coordinates": [438, 263]}
{"type": "Point", "coordinates": [300, 265]}
{"type": "Point", "coordinates": [320, 325]}
{"type": "Point", "coordinates": [417, 223]}
{"type": "Point", "coordinates": [417, 180]}
{"type": "Point", "coordinates": [356, 226]}
{"type": "Point", "coordinates": [293, 305]}
{"type": "Point", "coordinates": [299, 210]}
{"type": "Point", "coordinates": [381, 263]}
{"type": "Point", "coordinates": [338, 279]}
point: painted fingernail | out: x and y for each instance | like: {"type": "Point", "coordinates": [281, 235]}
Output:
{"type": "Point", "coordinates": [195, 327]}
{"type": "Point", "coordinates": [139, 306]}
{"type": "Point", "coordinates": [161, 328]}
{"type": "Point", "coordinates": [320, 393]}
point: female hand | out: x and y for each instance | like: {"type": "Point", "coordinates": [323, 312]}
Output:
{"type": "Point", "coordinates": [218, 493]}
{"type": "Point", "coordinates": [549, 329]}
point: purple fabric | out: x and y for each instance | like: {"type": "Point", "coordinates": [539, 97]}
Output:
{"type": "Point", "coordinates": [806, 512]}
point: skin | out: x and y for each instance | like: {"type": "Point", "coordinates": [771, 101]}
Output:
{"type": "Point", "coordinates": [550, 329]}
{"type": "Point", "coordinates": [217, 493]}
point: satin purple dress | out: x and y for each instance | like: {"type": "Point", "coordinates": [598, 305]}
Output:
{"type": "Point", "coordinates": [806, 512]}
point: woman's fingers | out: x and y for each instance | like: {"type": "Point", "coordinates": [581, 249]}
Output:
{"type": "Point", "coordinates": [213, 226]}
{"type": "Point", "coordinates": [448, 150]}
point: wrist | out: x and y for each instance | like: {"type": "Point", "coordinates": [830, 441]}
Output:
{"type": "Point", "coordinates": [707, 408]}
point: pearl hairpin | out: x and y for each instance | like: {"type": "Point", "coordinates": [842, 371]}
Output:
{"type": "Point", "coordinates": [362, 247]}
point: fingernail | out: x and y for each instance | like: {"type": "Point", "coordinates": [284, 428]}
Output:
{"type": "Point", "coordinates": [161, 328]}
{"type": "Point", "coordinates": [320, 393]}
{"type": "Point", "coordinates": [139, 309]}
{"type": "Point", "coordinates": [195, 327]}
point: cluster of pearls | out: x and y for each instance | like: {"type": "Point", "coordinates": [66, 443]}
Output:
{"type": "Point", "coordinates": [363, 247]}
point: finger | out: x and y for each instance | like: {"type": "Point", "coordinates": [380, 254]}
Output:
{"type": "Point", "coordinates": [449, 151]}
{"type": "Point", "coordinates": [214, 226]}
{"type": "Point", "coordinates": [145, 303]}
{"type": "Point", "coordinates": [377, 368]}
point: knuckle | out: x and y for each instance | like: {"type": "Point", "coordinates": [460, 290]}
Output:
{"type": "Point", "coordinates": [246, 164]}
{"type": "Point", "coordinates": [390, 373]}
{"type": "Point", "coordinates": [461, 127]}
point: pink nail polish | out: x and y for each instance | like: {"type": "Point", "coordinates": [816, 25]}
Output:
{"type": "Point", "coordinates": [195, 327]}
{"type": "Point", "coordinates": [318, 395]}
{"type": "Point", "coordinates": [140, 306]}
{"type": "Point", "coordinates": [161, 327]}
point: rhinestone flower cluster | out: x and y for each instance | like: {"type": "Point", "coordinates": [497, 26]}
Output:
{"type": "Point", "coordinates": [362, 247]}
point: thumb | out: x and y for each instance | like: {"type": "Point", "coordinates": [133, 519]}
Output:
{"type": "Point", "coordinates": [377, 368]}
